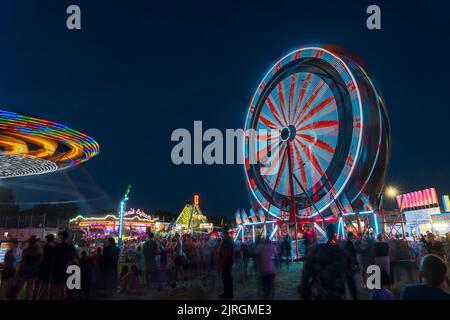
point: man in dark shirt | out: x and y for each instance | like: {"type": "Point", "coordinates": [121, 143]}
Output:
{"type": "Point", "coordinates": [110, 259]}
{"type": "Point", "coordinates": [327, 270]}
{"type": "Point", "coordinates": [45, 269]}
{"type": "Point", "coordinates": [434, 246]}
{"type": "Point", "coordinates": [350, 249]}
{"type": "Point", "coordinates": [381, 254]}
{"type": "Point", "coordinates": [381, 248]}
{"type": "Point", "coordinates": [434, 271]}
{"type": "Point", "coordinates": [226, 255]}
{"type": "Point", "coordinates": [64, 255]}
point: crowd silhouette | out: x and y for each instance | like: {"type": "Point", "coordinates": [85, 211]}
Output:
{"type": "Point", "coordinates": [334, 269]}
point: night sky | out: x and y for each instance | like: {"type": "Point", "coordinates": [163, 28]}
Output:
{"type": "Point", "coordinates": [138, 70]}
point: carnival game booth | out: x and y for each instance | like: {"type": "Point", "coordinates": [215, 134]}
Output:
{"type": "Point", "coordinates": [135, 225]}
{"type": "Point", "coordinates": [441, 223]}
{"type": "Point", "coordinates": [418, 207]}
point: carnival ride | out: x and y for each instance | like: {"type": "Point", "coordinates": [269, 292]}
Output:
{"type": "Point", "coordinates": [255, 226]}
{"type": "Point", "coordinates": [192, 218]}
{"type": "Point", "coordinates": [30, 146]}
{"type": "Point", "coordinates": [328, 126]}
{"type": "Point", "coordinates": [134, 223]}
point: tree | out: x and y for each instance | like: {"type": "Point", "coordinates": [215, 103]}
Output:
{"type": "Point", "coordinates": [8, 206]}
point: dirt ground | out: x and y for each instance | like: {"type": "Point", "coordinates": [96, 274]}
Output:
{"type": "Point", "coordinates": [208, 287]}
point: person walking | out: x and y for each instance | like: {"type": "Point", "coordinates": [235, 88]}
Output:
{"type": "Point", "coordinates": [64, 255]}
{"type": "Point", "coordinates": [29, 267]}
{"type": "Point", "coordinates": [307, 239]}
{"type": "Point", "coordinates": [179, 259]}
{"type": "Point", "coordinates": [89, 275]}
{"type": "Point", "coordinates": [265, 266]}
{"type": "Point", "coordinates": [216, 259]}
{"type": "Point", "coordinates": [287, 248]}
{"type": "Point", "coordinates": [364, 250]}
{"type": "Point", "coordinates": [139, 259]}
{"type": "Point", "coordinates": [327, 272]}
{"type": "Point", "coordinates": [110, 265]}
{"type": "Point", "coordinates": [151, 251]}
{"type": "Point", "coordinates": [226, 255]}
{"type": "Point", "coordinates": [245, 258]}
{"type": "Point", "coordinates": [9, 275]}
{"type": "Point", "coordinates": [206, 254]}
{"type": "Point", "coordinates": [350, 249]}
{"type": "Point", "coordinates": [381, 253]}
{"type": "Point", "coordinates": [45, 269]}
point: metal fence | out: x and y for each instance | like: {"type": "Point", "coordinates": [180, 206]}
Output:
{"type": "Point", "coordinates": [32, 221]}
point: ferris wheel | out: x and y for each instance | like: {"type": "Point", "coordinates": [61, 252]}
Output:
{"type": "Point", "coordinates": [330, 131]}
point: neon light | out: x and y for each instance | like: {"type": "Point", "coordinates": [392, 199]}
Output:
{"type": "Point", "coordinates": [375, 222]}
{"type": "Point", "coordinates": [237, 234]}
{"type": "Point", "coordinates": [121, 215]}
{"type": "Point", "coordinates": [366, 212]}
{"type": "Point", "coordinates": [196, 199]}
{"type": "Point", "coordinates": [258, 223]}
{"type": "Point", "coordinates": [138, 212]}
{"type": "Point", "coordinates": [341, 228]}
{"type": "Point", "coordinates": [111, 216]}
{"type": "Point", "coordinates": [322, 232]}
{"type": "Point", "coordinates": [426, 197]}
{"type": "Point", "coordinates": [273, 232]}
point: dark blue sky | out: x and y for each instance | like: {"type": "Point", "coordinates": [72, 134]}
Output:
{"type": "Point", "coordinates": [138, 70]}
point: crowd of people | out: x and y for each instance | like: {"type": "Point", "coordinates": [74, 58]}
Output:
{"type": "Point", "coordinates": [330, 268]}
{"type": "Point", "coordinates": [158, 264]}
{"type": "Point", "coordinates": [39, 270]}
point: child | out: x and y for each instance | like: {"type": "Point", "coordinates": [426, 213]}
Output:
{"type": "Point", "coordinates": [384, 293]}
{"type": "Point", "coordinates": [131, 283]}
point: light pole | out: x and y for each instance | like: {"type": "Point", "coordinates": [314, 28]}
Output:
{"type": "Point", "coordinates": [392, 193]}
{"type": "Point", "coordinates": [121, 216]}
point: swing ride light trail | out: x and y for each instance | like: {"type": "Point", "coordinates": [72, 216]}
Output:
{"type": "Point", "coordinates": [30, 146]}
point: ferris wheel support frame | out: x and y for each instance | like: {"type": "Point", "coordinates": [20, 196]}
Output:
{"type": "Point", "coordinates": [293, 208]}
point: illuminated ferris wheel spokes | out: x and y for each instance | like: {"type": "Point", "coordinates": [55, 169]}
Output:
{"type": "Point", "coordinates": [309, 97]}
{"type": "Point", "coordinates": [307, 116]}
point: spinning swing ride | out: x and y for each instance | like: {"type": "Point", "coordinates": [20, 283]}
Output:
{"type": "Point", "coordinates": [30, 146]}
{"type": "Point", "coordinates": [332, 135]}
